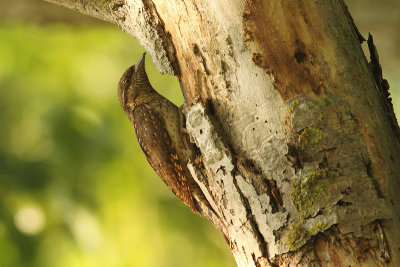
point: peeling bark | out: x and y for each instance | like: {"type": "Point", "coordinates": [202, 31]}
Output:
{"type": "Point", "coordinates": [299, 145]}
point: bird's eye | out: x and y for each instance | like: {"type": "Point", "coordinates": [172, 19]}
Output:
{"type": "Point", "coordinates": [127, 81]}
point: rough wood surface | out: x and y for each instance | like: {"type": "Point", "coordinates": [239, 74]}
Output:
{"type": "Point", "coordinates": [300, 152]}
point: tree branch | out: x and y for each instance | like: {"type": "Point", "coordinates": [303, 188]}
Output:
{"type": "Point", "coordinates": [95, 8]}
{"type": "Point", "coordinates": [295, 141]}
{"type": "Point", "coordinates": [139, 19]}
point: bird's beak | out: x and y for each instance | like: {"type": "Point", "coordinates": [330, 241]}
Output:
{"type": "Point", "coordinates": [140, 64]}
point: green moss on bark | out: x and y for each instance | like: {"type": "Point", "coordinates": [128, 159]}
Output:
{"type": "Point", "coordinates": [296, 237]}
{"type": "Point", "coordinates": [293, 105]}
{"type": "Point", "coordinates": [310, 189]}
{"type": "Point", "coordinates": [309, 136]}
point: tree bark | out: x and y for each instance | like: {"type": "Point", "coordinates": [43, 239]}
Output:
{"type": "Point", "coordinates": [300, 146]}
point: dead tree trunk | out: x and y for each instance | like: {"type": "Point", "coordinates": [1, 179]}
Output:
{"type": "Point", "coordinates": [299, 141]}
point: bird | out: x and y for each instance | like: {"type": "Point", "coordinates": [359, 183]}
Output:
{"type": "Point", "coordinates": [158, 126]}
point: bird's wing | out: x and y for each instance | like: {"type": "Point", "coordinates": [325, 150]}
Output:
{"type": "Point", "coordinates": [156, 144]}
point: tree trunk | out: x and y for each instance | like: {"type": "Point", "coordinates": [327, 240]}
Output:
{"type": "Point", "coordinates": [300, 146]}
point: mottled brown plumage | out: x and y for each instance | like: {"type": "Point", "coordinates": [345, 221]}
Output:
{"type": "Point", "coordinates": [157, 126]}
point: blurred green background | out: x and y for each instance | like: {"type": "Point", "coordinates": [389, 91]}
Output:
{"type": "Point", "coordinates": [75, 189]}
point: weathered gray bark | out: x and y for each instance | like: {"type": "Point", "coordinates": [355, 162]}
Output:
{"type": "Point", "coordinates": [299, 142]}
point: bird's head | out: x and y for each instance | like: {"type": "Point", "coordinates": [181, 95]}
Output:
{"type": "Point", "coordinates": [130, 84]}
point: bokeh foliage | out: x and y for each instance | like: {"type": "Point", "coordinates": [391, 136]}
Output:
{"type": "Point", "coordinates": [75, 189]}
